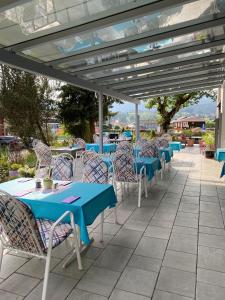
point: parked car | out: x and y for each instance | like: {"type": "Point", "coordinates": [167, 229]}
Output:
{"type": "Point", "coordinates": [10, 141]}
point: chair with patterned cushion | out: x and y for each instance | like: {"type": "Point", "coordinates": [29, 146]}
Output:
{"type": "Point", "coordinates": [163, 143]}
{"type": "Point", "coordinates": [125, 147]}
{"type": "Point", "coordinates": [96, 171]}
{"type": "Point", "coordinates": [63, 167]}
{"type": "Point", "coordinates": [125, 171]}
{"type": "Point", "coordinates": [20, 231]}
{"type": "Point", "coordinates": [147, 150]}
{"type": "Point", "coordinates": [44, 158]}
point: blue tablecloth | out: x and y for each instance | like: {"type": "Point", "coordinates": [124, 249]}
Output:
{"type": "Point", "coordinates": [107, 148]}
{"type": "Point", "coordinates": [94, 198]}
{"type": "Point", "coordinates": [223, 170]}
{"type": "Point", "coordinates": [168, 153]}
{"type": "Point", "coordinates": [175, 145]}
{"type": "Point", "coordinates": [220, 154]}
{"type": "Point", "coordinates": [151, 163]}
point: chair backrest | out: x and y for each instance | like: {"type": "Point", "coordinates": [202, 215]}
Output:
{"type": "Point", "coordinates": [87, 155]}
{"type": "Point", "coordinates": [19, 227]}
{"type": "Point", "coordinates": [95, 138]}
{"type": "Point", "coordinates": [80, 142]}
{"type": "Point", "coordinates": [105, 139]}
{"type": "Point", "coordinates": [148, 150]}
{"type": "Point", "coordinates": [43, 153]}
{"type": "Point", "coordinates": [167, 136]}
{"type": "Point", "coordinates": [163, 143]}
{"type": "Point", "coordinates": [95, 171]}
{"type": "Point", "coordinates": [124, 167]}
{"type": "Point", "coordinates": [125, 147]}
{"type": "Point", "coordinates": [62, 167]}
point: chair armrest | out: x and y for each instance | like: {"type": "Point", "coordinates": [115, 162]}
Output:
{"type": "Point", "coordinates": [59, 220]}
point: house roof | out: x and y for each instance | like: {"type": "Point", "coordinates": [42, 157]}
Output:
{"type": "Point", "coordinates": [189, 119]}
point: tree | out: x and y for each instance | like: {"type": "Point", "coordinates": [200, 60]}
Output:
{"type": "Point", "coordinates": [168, 106]}
{"type": "Point", "coordinates": [26, 103]}
{"type": "Point", "coordinates": [78, 110]}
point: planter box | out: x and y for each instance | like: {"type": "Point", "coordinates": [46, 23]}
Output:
{"type": "Point", "coordinates": [190, 143]}
{"type": "Point", "coordinates": [13, 173]}
{"type": "Point", "coordinates": [209, 153]}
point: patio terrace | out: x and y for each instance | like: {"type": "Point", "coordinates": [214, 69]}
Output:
{"type": "Point", "coordinates": [172, 248]}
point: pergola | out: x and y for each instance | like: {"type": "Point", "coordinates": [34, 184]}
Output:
{"type": "Point", "coordinates": [126, 49]}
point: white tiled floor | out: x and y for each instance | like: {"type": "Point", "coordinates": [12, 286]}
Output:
{"type": "Point", "coordinates": [172, 248]}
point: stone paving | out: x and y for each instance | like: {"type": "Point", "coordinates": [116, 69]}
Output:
{"type": "Point", "coordinates": [172, 248]}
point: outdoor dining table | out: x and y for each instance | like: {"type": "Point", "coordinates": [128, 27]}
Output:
{"type": "Point", "coordinates": [175, 146]}
{"type": "Point", "coordinates": [107, 148]}
{"type": "Point", "coordinates": [94, 199]}
{"type": "Point", "coordinates": [220, 154]}
{"type": "Point", "coordinates": [223, 170]}
{"type": "Point", "coordinates": [168, 152]}
{"type": "Point", "coordinates": [71, 150]}
{"type": "Point", "coordinates": [152, 164]}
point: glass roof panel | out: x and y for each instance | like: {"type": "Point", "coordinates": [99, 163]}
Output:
{"type": "Point", "coordinates": [146, 49]}
{"type": "Point", "coordinates": [127, 30]}
{"type": "Point", "coordinates": [39, 17]}
{"type": "Point", "coordinates": [153, 63]}
{"type": "Point", "coordinates": [149, 75]}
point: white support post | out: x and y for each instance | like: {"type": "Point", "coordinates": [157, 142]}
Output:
{"type": "Point", "coordinates": [100, 121]}
{"type": "Point", "coordinates": [137, 123]}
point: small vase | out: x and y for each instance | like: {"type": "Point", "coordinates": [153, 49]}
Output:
{"type": "Point", "coordinates": [47, 183]}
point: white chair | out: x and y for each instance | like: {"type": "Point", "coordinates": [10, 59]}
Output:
{"type": "Point", "coordinates": [44, 158]}
{"type": "Point", "coordinates": [63, 167]}
{"type": "Point", "coordinates": [20, 231]}
{"type": "Point", "coordinates": [125, 171]}
{"type": "Point", "coordinates": [96, 171]}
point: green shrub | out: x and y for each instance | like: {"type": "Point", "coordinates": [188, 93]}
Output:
{"type": "Point", "coordinates": [15, 167]}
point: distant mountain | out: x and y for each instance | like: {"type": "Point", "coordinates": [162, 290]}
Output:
{"type": "Point", "coordinates": [206, 107]}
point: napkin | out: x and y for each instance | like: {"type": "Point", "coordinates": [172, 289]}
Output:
{"type": "Point", "coordinates": [23, 193]}
{"type": "Point", "coordinates": [24, 179]}
{"type": "Point", "coordinates": [71, 199]}
{"type": "Point", "coordinates": [65, 182]}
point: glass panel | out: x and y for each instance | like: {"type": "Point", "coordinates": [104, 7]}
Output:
{"type": "Point", "coordinates": [126, 30]}
{"type": "Point", "coordinates": [153, 63]}
{"type": "Point", "coordinates": [148, 75]}
{"type": "Point", "coordinates": [40, 17]}
{"type": "Point", "coordinates": [146, 49]}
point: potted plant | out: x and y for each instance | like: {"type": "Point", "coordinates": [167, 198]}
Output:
{"type": "Point", "coordinates": [14, 170]}
{"type": "Point", "coordinates": [47, 183]}
{"type": "Point", "coordinates": [190, 141]}
{"type": "Point", "coordinates": [209, 139]}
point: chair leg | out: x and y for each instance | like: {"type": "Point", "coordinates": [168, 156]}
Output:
{"type": "Point", "coordinates": [1, 255]}
{"type": "Point", "coordinates": [76, 243]}
{"type": "Point", "coordinates": [47, 270]}
{"type": "Point", "coordinates": [101, 226]}
{"type": "Point", "coordinates": [146, 188]}
{"type": "Point", "coordinates": [139, 194]}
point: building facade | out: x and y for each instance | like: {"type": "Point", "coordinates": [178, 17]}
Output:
{"type": "Point", "coordinates": [188, 123]}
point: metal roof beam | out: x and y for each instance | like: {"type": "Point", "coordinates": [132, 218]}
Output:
{"type": "Point", "coordinates": [7, 4]}
{"type": "Point", "coordinates": [177, 64]}
{"type": "Point", "coordinates": [164, 53]}
{"type": "Point", "coordinates": [167, 93]}
{"type": "Point", "coordinates": [103, 22]}
{"type": "Point", "coordinates": [172, 74]}
{"type": "Point", "coordinates": [172, 81]}
{"type": "Point", "coordinates": [20, 62]}
{"type": "Point", "coordinates": [190, 84]}
{"type": "Point", "coordinates": [147, 37]}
